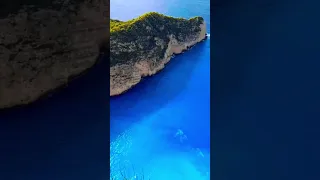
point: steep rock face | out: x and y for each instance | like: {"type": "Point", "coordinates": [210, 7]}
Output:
{"type": "Point", "coordinates": [44, 45]}
{"type": "Point", "coordinates": [141, 47]}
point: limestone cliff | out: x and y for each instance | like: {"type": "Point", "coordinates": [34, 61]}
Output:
{"type": "Point", "coordinates": [142, 46]}
{"type": "Point", "coordinates": [44, 43]}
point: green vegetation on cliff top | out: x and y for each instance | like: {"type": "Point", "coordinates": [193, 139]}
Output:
{"type": "Point", "coordinates": [151, 18]}
{"type": "Point", "coordinates": [144, 30]}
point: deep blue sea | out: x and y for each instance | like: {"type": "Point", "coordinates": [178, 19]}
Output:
{"type": "Point", "coordinates": [160, 129]}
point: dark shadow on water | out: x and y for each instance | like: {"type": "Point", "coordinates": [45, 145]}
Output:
{"type": "Point", "coordinates": [63, 137]}
{"type": "Point", "coordinates": [155, 92]}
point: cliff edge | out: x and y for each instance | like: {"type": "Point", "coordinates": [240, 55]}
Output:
{"type": "Point", "coordinates": [44, 43]}
{"type": "Point", "coordinates": [142, 46]}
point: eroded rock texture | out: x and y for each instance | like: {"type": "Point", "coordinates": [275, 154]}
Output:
{"type": "Point", "coordinates": [44, 44]}
{"type": "Point", "coordinates": [141, 47]}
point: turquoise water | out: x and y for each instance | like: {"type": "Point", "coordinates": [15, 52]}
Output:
{"type": "Point", "coordinates": [160, 128]}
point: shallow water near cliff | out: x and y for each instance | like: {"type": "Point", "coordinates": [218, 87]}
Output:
{"type": "Point", "coordinates": [160, 128]}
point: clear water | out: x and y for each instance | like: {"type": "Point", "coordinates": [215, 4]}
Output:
{"type": "Point", "coordinates": [160, 128]}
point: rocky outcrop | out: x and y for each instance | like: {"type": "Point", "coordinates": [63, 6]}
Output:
{"type": "Point", "coordinates": [44, 45]}
{"type": "Point", "coordinates": [141, 47]}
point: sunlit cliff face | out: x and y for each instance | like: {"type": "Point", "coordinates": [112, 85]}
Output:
{"type": "Point", "coordinates": [43, 48]}
{"type": "Point", "coordinates": [141, 47]}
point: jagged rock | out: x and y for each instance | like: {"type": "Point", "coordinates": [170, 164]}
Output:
{"type": "Point", "coordinates": [142, 46]}
{"type": "Point", "coordinates": [43, 44]}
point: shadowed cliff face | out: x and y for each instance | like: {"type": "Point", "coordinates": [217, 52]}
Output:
{"type": "Point", "coordinates": [44, 44]}
{"type": "Point", "coordinates": [141, 47]}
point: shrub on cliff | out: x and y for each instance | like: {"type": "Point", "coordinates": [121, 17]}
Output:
{"type": "Point", "coordinates": [148, 33]}
{"type": "Point", "coordinates": [154, 23]}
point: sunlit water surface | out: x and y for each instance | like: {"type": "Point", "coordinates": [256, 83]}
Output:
{"type": "Point", "coordinates": [160, 129]}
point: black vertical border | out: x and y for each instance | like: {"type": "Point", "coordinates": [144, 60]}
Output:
{"type": "Point", "coordinates": [265, 100]}
{"type": "Point", "coordinates": [236, 147]}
